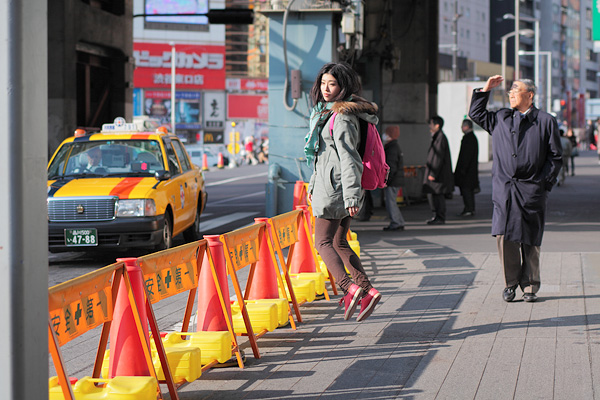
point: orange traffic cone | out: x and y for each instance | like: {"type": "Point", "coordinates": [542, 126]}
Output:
{"type": "Point", "coordinates": [126, 351]}
{"type": "Point", "coordinates": [307, 217]}
{"type": "Point", "coordinates": [220, 161]}
{"type": "Point", "coordinates": [299, 194]}
{"type": "Point", "coordinates": [264, 281]}
{"type": "Point", "coordinates": [400, 196]}
{"type": "Point", "coordinates": [210, 314]}
{"type": "Point", "coordinates": [204, 162]}
{"type": "Point", "coordinates": [302, 258]}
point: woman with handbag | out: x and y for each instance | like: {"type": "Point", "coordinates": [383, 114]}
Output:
{"type": "Point", "coordinates": [335, 185]}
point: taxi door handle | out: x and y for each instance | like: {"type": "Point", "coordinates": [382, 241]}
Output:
{"type": "Point", "coordinates": [186, 184]}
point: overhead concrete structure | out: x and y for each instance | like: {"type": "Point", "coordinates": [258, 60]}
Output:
{"type": "Point", "coordinates": [394, 48]}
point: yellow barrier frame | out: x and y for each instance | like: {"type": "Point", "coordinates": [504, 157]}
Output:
{"type": "Point", "coordinates": [101, 288]}
{"type": "Point", "coordinates": [182, 265]}
{"type": "Point", "coordinates": [241, 249]}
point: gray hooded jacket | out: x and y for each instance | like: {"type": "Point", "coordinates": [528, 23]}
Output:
{"type": "Point", "coordinates": [335, 182]}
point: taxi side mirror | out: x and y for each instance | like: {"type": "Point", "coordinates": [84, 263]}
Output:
{"type": "Point", "coordinates": [162, 175]}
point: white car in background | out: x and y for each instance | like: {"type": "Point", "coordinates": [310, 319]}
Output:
{"type": "Point", "coordinates": [212, 154]}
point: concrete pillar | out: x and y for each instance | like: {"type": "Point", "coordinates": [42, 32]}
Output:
{"type": "Point", "coordinates": [24, 232]}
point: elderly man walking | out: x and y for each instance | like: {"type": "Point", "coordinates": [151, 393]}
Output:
{"type": "Point", "coordinates": [527, 159]}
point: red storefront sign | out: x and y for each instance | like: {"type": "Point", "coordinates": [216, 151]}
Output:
{"type": "Point", "coordinates": [241, 84]}
{"type": "Point", "coordinates": [247, 106]}
{"type": "Point", "coordinates": [196, 67]}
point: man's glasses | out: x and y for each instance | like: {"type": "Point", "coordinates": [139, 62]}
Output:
{"type": "Point", "coordinates": [515, 92]}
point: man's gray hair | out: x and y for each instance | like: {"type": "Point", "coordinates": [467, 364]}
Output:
{"type": "Point", "coordinates": [529, 85]}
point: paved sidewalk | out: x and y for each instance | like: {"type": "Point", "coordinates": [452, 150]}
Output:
{"type": "Point", "coordinates": [442, 330]}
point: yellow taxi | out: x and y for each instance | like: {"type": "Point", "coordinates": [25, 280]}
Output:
{"type": "Point", "coordinates": [122, 188]}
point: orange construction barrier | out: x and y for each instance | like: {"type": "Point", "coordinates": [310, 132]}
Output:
{"type": "Point", "coordinates": [242, 248]}
{"type": "Point", "coordinates": [191, 267]}
{"type": "Point", "coordinates": [82, 304]}
{"type": "Point", "coordinates": [127, 357]}
{"type": "Point", "coordinates": [220, 161]}
{"type": "Point", "coordinates": [204, 162]}
{"type": "Point", "coordinates": [209, 316]}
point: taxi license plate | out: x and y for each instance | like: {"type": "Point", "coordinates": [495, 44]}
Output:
{"type": "Point", "coordinates": [81, 237]}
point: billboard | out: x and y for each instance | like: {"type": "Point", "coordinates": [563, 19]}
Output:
{"type": "Point", "coordinates": [248, 106]}
{"type": "Point", "coordinates": [176, 22]}
{"type": "Point", "coordinates": [157, 104]}
{"type": "Point", "coordinates": [196, 67]}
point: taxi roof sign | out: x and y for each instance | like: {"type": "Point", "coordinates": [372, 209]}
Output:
{"type": "Point", "coordinates": [119, 125]}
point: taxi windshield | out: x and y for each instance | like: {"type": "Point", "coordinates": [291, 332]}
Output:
{"type": "Point", "coordinates": [107, 158]}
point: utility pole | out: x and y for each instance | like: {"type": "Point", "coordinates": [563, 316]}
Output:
{"type": "Point", "coordinates": [517, 28]}
{"type": "Point", "coordinates": [455, 19]}
{"type": "Point", "coordinates": [455, 48]}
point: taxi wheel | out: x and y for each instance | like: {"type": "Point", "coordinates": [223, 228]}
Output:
{"type": "Point", "coordinates": [167, 234]}
{"type": "Point", "coordinates": [192, 233]}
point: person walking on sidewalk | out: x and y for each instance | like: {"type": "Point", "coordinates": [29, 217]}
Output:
{"type": "Point", "coordinates": [438, 181]}
{"type": "Point", "coordinates": [466, 174]}
{"type": "Point", "coordinates": [393, 158]}
{"type": "Point", "coordinates": [335, 185]}
{"type": "Point", "coordinates": [527, 159]}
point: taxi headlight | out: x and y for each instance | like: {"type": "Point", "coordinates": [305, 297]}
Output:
{"type": "Point", "coordinates": [136, 208]}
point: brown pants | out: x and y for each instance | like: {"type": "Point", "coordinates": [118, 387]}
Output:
{"type": "Point", "coordinates": [331, 243]}
{"type": "Point", "coordinates": [521, 263]}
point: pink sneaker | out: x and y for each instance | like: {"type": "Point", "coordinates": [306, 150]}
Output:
{"type": "Point", "coordinates": [368, 303]}
{"type": "Point", "coordinates": [351, 300]}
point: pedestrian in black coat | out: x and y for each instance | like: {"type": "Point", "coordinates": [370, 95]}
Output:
{"type": "Point", "coordinates": [527, 159]}
{"type": "Point", "coordinates": [394, 159]}
{"type": "Point", "coordinates": [466, 174]}
{"type": "Point", "coordinates": [438, 180]}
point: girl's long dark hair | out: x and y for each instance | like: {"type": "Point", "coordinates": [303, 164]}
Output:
{"type": "Point", "coordinates": [346, 78]}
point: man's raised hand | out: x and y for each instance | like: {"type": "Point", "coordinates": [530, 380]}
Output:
{"type": "Point", "coordinates": [492, 82]}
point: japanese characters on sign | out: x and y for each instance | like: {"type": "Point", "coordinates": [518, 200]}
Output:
{"type": "Point", "coordinates": [171, 280]}
{"type": "Point", "coordinates": [286, 228]}
{"type": "Point", "coordinates": [214, 111]}
{"type": "Point", "coordinates": [243, 246]}
{"type": "Point", "coordinates": [77, 307]}
{"type": "Point", "coordinates": [196, 67]}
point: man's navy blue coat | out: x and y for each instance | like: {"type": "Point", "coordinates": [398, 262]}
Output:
{"type": "Point", "coordinates": [525, 166]}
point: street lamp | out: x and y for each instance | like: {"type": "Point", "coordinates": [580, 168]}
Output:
{"type": "Point", "coordinates": [536, 62]}
{"type": "Point", "coordinates": [525, 32]}
{"type": "Point", "coordinates": [548, 54]}
{"type": "Point", "coordinates": [173, 59]}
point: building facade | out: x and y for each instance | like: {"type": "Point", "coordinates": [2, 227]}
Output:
{"type": "Point", "coordinates": [90, 65]}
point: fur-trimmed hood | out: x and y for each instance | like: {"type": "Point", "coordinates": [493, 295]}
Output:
{"type": "Point", "coordinates": [357, 106]}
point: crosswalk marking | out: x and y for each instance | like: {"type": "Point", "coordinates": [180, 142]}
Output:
{"type": "Point", "coordinates": [224, 220]}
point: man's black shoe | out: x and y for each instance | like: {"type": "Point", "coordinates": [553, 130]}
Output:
{"type": "Point", "coordinates": [509, 293]}
{"type": "Point", "coordinates": [529, 297]}
{"type": "Point", "coordinates": [397, 228]}
{"type": "Point", "coordinates": [466, 214]}
{"type": "Point", "coordinates": [436, 221]}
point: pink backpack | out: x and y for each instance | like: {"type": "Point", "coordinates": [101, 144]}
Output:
{"type": "Point", "coordinates": [375, 169]}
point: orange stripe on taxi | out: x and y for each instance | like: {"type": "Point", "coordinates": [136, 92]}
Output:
{"type": "Point", "coordinates": [124, 188]}
{"type": "Point", "coordinates": [140, 136]}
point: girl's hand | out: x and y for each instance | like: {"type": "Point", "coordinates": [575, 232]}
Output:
{"type": "Point", "coordinates": [353, 211]}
